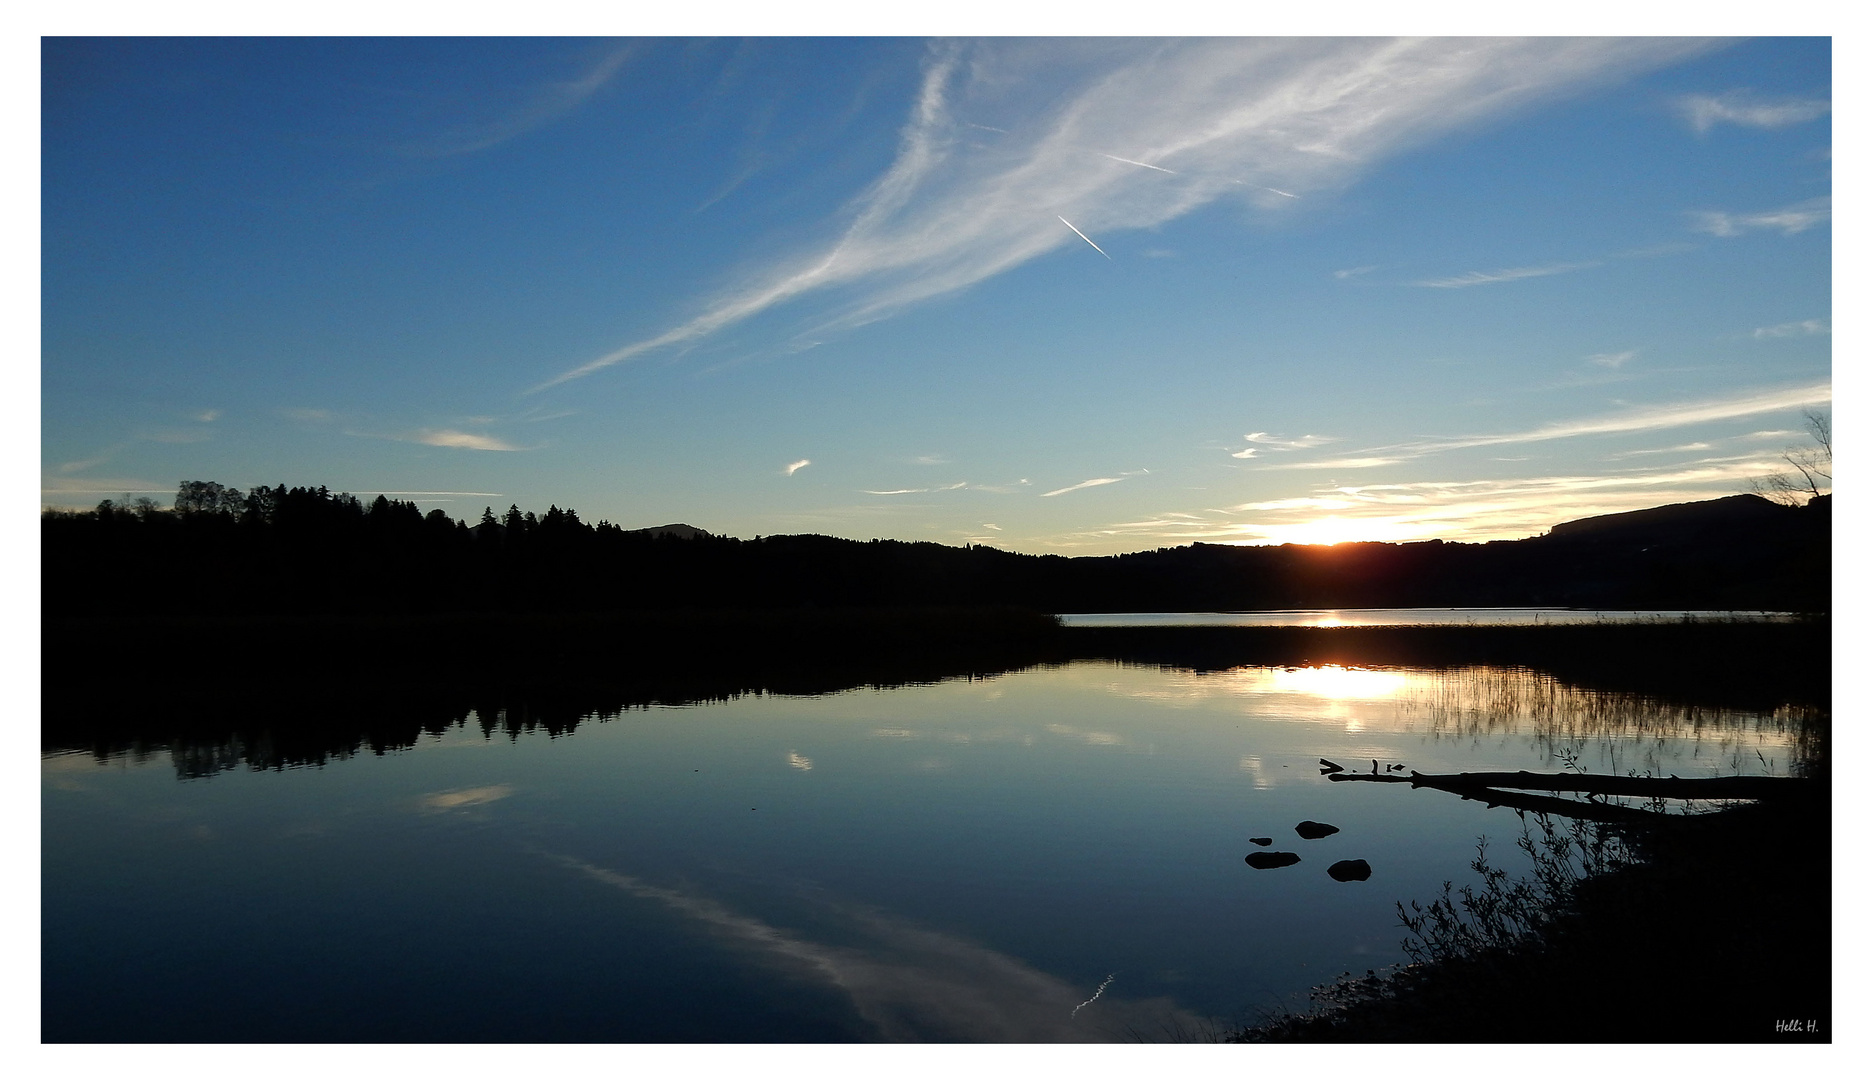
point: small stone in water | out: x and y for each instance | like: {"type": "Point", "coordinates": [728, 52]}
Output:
{"type": "Point", "coordinates": [1262, 841]}
{"type": "Point", "coordinates": [1269, 860]}
{"type": "Point", "coordinates": [1350, 870]}
{"type": "Point", "coordinates": [1314, 830]}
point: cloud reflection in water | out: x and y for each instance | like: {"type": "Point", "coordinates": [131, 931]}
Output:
{"type": "Point", "coordinates": [917, 985]}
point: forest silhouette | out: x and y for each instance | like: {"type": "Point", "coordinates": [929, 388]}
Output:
{"type": "Point", "coordinates": [283, 625]}
{"type": "Point", "coordinates": [308, 550]}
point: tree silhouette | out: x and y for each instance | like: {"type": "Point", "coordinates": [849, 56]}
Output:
{"type": "Point", "coordinates": [208, 497]}
{"type": "Point", "coordinates": [1813, 465]}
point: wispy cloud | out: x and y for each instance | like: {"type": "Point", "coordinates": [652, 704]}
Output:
{"type": "Point", "coordinates": [1368, 461]}
{"type": "Point", "coordinates": [1804, 328]}
{"type": "Point", "coordinates": [1263, 439]}
{"type": "Point", "coordinates": [1227, 117]}
{"type": "Point", "coordinates": [959, 485]}
{"type": "Point", "coordinates": [1466, 510]}
{"type": "Point", "coordinates": [207, 416]}
{"type": "Point", "coordinates": [1796, 218]}
{"type": "Point", "coordinates": [1651, 418]}
{"type": "Point", "coordinates": [1098, 481]}
{"type": "Point", "coordinates": [540, 106]}
{"type": "Point", "coordinates": [92, 462]}
{"type": "Point", "coordinates": [1353, 272]}
{"type": "Point", "coordinates": [1744, 108]}
{"type": "Point", "coordinates": [1684, 448]}
{"type": "Point", "coordinates": [794, 467]}
{"type": "Point", "coordinates": [1082, 485]}
{"type": "Point", "coordinates": [1493, 277]}
{"type": "Point", "coordinates": [461, 440]}
{"type": "Point", "coordinates": [1612, 360]}
{"type": "Point", "coordinates": [1493, 509]}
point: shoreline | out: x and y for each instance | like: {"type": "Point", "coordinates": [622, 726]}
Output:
{"type": "Point", "coordinates": [1668, 949]}
{"type": "Point", "coordinates": [311, 686]}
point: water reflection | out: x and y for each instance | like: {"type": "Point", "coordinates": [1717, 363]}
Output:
{"type": "Point", "coordinates": [1475, 616]}
{"type": "Point", "coordinates": [1597, 730]}
{"type": "Point", "coordinates": [1381, 713]}
{"type": "Point", "coordinates": [958, 860]}
{"type": "Point", "coordinates": [912, 984]}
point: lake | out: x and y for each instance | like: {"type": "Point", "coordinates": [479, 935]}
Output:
{"type": "Point", "coordinates": [1052, 854]}
{"type": "Point", "coordinates": [1478, 616]}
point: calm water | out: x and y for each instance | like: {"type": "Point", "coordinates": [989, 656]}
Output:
{"type": "Point", "coordinates": [969, 860]}
{"type": "Point", "coordinates": [1495, 616]}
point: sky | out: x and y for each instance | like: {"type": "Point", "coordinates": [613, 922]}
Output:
{"type": "Point", "coordinates": [1081, 296]}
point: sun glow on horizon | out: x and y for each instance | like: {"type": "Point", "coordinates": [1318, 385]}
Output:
{"type": "Point", "coordinates": [1335, 529]}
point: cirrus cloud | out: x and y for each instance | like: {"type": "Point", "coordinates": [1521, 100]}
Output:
{"type": "Point", "coordinates": [1745, 109]}
{"type": "Point", "coordinates": [1262, 121]}
{"type": "Point", "coordinates": [1796, 218]}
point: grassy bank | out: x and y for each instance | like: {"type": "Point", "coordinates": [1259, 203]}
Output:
{"type": "Point", "coordinates": [1716, 930]}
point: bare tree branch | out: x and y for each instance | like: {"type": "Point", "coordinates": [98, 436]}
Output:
{"type": "Point", "coordinates": [1814, 464]}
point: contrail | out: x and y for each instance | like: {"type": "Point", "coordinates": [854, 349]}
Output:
{"type": "Point", "coordinates": [1140, 164]}
{"type": "Point", "coordinates": [1083, 236]}
{"type": "Point", "coordinates": [1245, 183]}
{"type": "Point", "coordinates": [1109, 978]}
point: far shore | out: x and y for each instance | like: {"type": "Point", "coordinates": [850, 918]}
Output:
{"type": "Point", "coordinates": [115, 681]}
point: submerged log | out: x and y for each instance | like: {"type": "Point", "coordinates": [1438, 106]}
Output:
{"type": "Point", "coordinates": [1553, 806]}
{"type": "Point", "coordinates": [1648, 787]}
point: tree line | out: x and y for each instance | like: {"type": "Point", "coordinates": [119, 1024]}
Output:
{"type": "Point", "coordinates": [306, 550]}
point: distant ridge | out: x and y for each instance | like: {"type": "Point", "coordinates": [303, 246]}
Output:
{"type": "Point", "coordinates": [1676, 520]}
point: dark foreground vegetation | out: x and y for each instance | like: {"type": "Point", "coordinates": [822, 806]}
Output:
{"type": "Point", "coordinates": [302, 551]}
{"type": "Point", "coordinates": [1695, 928]}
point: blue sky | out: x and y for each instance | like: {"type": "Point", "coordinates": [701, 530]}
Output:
{"type": "Point", "coordinates": [1080, 296]}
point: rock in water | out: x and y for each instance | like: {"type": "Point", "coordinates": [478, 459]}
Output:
{"type": "Point", "coordinates": [1350, 870]}
{"type": "Point", "coordinates": [1314, 830]}
{"type": "Point", "coordinates": [1268, 860]}
{"type": "Point", "coordinates": [1261, 841]}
